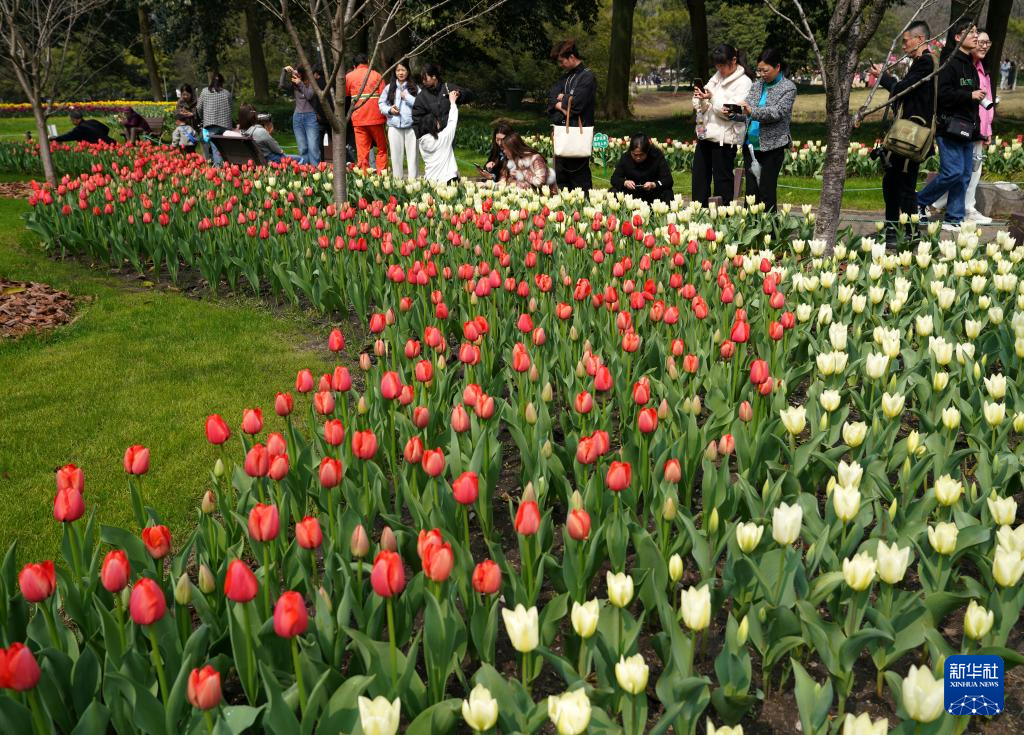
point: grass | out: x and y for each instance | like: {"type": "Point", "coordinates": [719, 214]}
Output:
{"type": "Point", "coordinates": [139, 366]}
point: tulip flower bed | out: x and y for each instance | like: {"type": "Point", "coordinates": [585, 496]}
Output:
{"type": "Point", "coordinates": [601, 468]}
{"type": "Point", "coordinates": [101, 107]}
{"type": "Point", "coordinates": [1003, 157]}
{"type": "Point", "coordinates": [75, 158]}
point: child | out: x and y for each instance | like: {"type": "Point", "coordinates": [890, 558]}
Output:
{"type": "Point", "coordinates": [184, 135]}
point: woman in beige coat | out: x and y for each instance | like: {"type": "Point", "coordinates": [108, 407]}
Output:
{"type": "Point", "coordinates": [717, 135]}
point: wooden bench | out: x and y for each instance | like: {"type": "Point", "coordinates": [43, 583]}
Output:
{"type": "Point", "coordinates": [238, 150]}
{"type": "Point", "coordinates": [156, 128]}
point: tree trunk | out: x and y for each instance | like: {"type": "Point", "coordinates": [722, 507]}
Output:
{"type": "Point", "coordinates": [44, 144]}
{"type": "Point", "coordinates": [257, 60]}
{"type": "Point", "coordinates": [997, 21]}
{"type": "Point", "coordinates": [620, 60]}
{"type": "Point", "coordinates": [147, 52]}
{"type": "Point", "coordinates": [965, 8]}
{"type": "Point", "coordinates": [699, 31]}
{"type": "Point", "coordinates": [838, 127]}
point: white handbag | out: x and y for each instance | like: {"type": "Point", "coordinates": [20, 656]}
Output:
{"type": "Point", "coordinates": [572, 141]}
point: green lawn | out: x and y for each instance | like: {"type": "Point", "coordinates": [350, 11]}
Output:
{"type": "Point", "coordinates": [140, 365]}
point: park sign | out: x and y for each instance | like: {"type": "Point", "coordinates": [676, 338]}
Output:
{"type": "Point", "coordinates": [600, 141]}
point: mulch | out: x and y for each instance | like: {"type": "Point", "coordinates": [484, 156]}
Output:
{"type": "Point", "coordinates": [15, 190]}
{"type": "Point", "coordinates": [27, 307]}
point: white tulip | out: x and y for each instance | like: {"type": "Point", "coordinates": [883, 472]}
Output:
{"type": "Point", "coordinates": [948, 490]}
{"type": "Point", "coordinates": [620, 588]}
{"type": "Point", "coordinates": [892, 562]}
{"type": "Point", "coordinates": [695, 605]}
{"type": "Point", "coordinates": [995, 413]}
{"type": "Point", "coordinates": [786, 522]}
{"type": "Point", "coordinates": [942, 537]}
{"type": "Point", "coordinates": [862, 725]}
{"type": "Point", "coordinates": [859, 572]}
{"type": "Point", "coordinates": [854, 433]}
{"type": "Point", "coordinates": [748, 536]}
{"type": "Point", "coordinates": [922, 695]}
{"type": "Point", "coordinates": [1007, 566]}
{"type": "Point", "coordinates": [1003, 510]}
{"type": "Point", "coordinates": [978, 621]}
{"type": "Point", "coordinates": [379, 716]}
{"type": "Point", "coordinates": [522, 627]}
{"type": "Point", "coordinates": [480, 710]}
{"type": "Point", "coordinates": [631, 673]}
{"type": "Point", "coordinates": [849, 474]}
{"type": "Point", "coordinates": [846, 502]}
{"type": "Point", "coordinates": [794, 419]}
{"type": "Point", "coordinates": [570, 712]}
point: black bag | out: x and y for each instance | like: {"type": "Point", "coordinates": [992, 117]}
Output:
{"type": "Point", "coordinates": [959, 127]}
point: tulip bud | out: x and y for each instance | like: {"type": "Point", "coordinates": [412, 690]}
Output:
{"type": "Point", "coordinates": [546, 450]}
{"type": "Point", "coordinates": [530, 414]}
{"type": "Point", "coordinates": [584, 617]}
{"type": "Point", "coordinates": [668, 508]}
{"type": "Point", "coordinates": [359, 543]}
{"type": "Point", "coordinates": [529, 494]}
{"type": "Point", "coordinates": [977, 621]}
{"type": "Point", "coordinates": [207, 582]}
{"type": "Point", "coordinates": [892, 510]}
{"type": "Point", "coordinates": [388, 542]}
{"type": "Point", "coordinates": [743, 630]}
{"type": "Point", "coordinates": [675, 567]}
{"type": "Point", "coordinates": [546, 393]}
{"type": "Point", "coordinates": [361, 406]}
{"type": "Point", "coordinates": [695, 605]}
{"type": "Point", "coordinates": [326, 598]}
{"type": "Point", "coordinates": [576, 501]}
{"type": "Point", "coordinates": [711, 452]}
{"type": "Point", "coordinates": [183, 590]}
{"type": "Point", "coordinates": [713, 521]}
{"type": "Point", "coordinates": [218, 469]}
{"type": "Point", "coordinates": [620, 589]}
{"type": "Point", "coordinates": [209, 502]}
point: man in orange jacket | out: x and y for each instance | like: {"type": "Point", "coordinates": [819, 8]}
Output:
{"type": "Point", "coordinates": [363, 85]}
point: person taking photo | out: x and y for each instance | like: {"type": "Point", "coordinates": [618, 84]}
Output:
{"type": "Point", "coordinates": [717, 134]}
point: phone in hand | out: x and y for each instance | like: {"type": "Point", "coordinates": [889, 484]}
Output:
{"type": "Point", "coordinates": [732, 109]}
{"type": "Point", "coordinates": [698, 85]}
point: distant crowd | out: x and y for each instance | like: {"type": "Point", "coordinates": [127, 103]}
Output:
{"type": "Point", "coordinates": [410, 121]}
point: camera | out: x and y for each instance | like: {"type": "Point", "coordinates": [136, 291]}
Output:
{"type": "Point", "coordinates": [877, 153]}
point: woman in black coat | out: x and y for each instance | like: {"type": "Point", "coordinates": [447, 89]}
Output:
{"type": "Point", "coordinates": [430, 110]}
{"type": "Point", "coordinates": [643, 171]}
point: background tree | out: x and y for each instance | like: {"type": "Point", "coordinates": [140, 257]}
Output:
{"type": "Point", "coordinates": [36, 33]}
{"type": "Point", "coordinates": [255, 21]}
{"type": "Point", "coordinates": [699, 34]}
{"type": "Point", "coordinates": [620, 60]}
{"type": "Point", "coordinates": [997, 24]}
{"type": "Point", "coordinates": [147, 52]}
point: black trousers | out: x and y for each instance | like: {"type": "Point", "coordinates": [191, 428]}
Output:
{"type": "Point", "coordinates": [899, 190]}
{"type": "Point", "coordinates": [713, 162]}
{"type": "Point", "coordinates": [765, 190]}
{"type": "Point", "coordinates": [573, 173]}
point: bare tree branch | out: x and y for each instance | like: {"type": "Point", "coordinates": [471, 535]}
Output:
{"type": "Point", "coordinates": [805, 32]}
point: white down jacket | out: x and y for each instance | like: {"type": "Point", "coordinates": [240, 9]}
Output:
{"type": "Point", "coordinates": [712, 123]}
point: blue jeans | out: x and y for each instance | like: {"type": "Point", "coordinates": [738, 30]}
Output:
{"type": "Point", "coordinates": [214, 153]}
{"type": "Point", "coordinates": [956, 163]}
{"type": "Point", "coordinates": [307, 136]}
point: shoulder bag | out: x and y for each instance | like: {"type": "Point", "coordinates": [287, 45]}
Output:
{"type": "Point", "coordinates": [910, 137]}
{"type": "Point", "coordinates": [572, 141]}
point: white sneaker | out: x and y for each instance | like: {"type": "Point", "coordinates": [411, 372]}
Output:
{"type": "Point", "coordinates": [973, 215]}
{"type": "Point", "coordinates": [951, 227]}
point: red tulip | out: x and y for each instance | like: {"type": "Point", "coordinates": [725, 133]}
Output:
{"type": "Point", "coordinates": [726, 445]}
{"type": "Point", "coordinates": [70, 476]}
{"type": "Point", "coordinates": [471, 394]}
{"type": "Point", "coordinates": [727, 350]}
{"type": "Point", "coordinates": [37, 581]}
{"type": "Point", "coordinates": [520, 358]}
{"type": "Point", "coordinates": [19, 669]}
{"type": "Point", "coordinates": [438, 561]}
{"type": "Point", "coordinates": [690, 363]}
{"type": "Point", "coordinates": [527, 518]}
{"type": "Point", "coordinates": [672, 471]}
{"type": "Point", "coordinates": [341, 380]}
{"type": "Point", "coordinates": [68, 505]}
{"type": "Point", "coordinates": [336, 341]}
{"type": "Point", "coordinates": [460, 419]}
{"type": "Point", "coordinates": [647, 421]}
{"type": "Point", "coordinates": [466, 488]}
{"type": "Point", "coordinates": [147, 603]}
{"type": "Point", "coordinates": [484, 407]}
{"type": "Point", "coordinates": [252, 420]}
{"type": "Point", "coordinates": [308, 533]}
{"type": "Point", "coordinates": [776, 331]}
{"type": "Point", "coordinates": [323, 402]}
{"type": "Point", "coordinates": [740, 332]}
{"type": "Point", "coordinates": [388, 575]}
{"type": "Point", "coordinates": [746, 412]}
{"type": "Point", "coordinates": [284, 404]}
{"type": "Point", "coordinates": [618, 476]}
{"type": "Point", "coordinates": [240, 583]}
{"type": "Point", "coordinates": [601, 441]}
{"type": "Point", "coordinates": [413, 450]}
{"type": "Point", "coordinates": [421, 417]}
{"type": "Point", "coordinates": [264, 522]}
{"type": "Point", "coordinates": [584, 402]}
{"type": "Point", "coordinates": [217, 431]}
{"type": "Point", "coordinates": [278, 468]}
{"type": "Point", "coordinates": [330, 472]}
{"type": "Point", "coordinates": [364, 444]}
{"type": "Point", "coordinates": [334, 432]}
{"type": "Point", "coordinates": [578, 523]}
{"type": "Point", "coordinates": [276, 444]}
{"type": "Point", "coordinates": [424, 371]}
{"type": "Point", "coordinates": [204, 688]}
{"type": "Point", "coordinates": [257, 461]}
{"type": "Point", "coordinates": [487, 577]}
{"type": "Point", "coordinates": [136, 460]}
{"type": "Point", "coordinates": [586, 451]}
{"type": "Point", "coordinates": [642, 392]}
{"type": "Point", "coordinates": [115, 572]}
{"type": "Point", "coordinates": [290, 616]}
{"type": "Point", "coordinates": [603, 379]}
{"type": "Point", "coordinates": [390, 385]}
{"type": "Point", "coordinates": [758, 371]}
{"type": "Point", "coordinates": [433, 462]}
{"type": "Point", "coordinates": [157, 540]}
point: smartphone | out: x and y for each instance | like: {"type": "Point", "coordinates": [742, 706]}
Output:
{"type": "Point", "coordinates": [698, 84]}
{"type": "Point", "coordinates": [734, 109]}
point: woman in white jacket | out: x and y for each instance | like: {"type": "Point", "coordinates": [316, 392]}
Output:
{"type": "Point", "coordinates": [437, 148]}
{"type": "Point", "coordinates": [717, 135]}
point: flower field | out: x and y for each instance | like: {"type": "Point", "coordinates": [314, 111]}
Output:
{"type": "Point", "coordinates": [100, 107]}
{"type": "Point", "coordinates": [583, 466]}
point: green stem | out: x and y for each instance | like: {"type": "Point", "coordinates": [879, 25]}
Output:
{"type": "Point", "coordinates": [76, 551]}
{"type": "Point", "coordinates": [582, 666]}
{"type": "Point", "coordinates": [158, 663]}
{"type": "Point", "coordinates": [297, 662]}
{"type": "Point", "coordinates": [51, 624]}
{"type": "Point", "coordinates": [527, 569]}
{"type": "Point", "coordinates": [782, 578]}
{"type": "Point", "coordinates": [209, 720]}
{"type": "Point", "coordinates": [636, 714]}
{"type": "Point", "coordinates": [621, 641]}
{"type": "Point", "coordinates": [39, 724]}
{"type": "Point", "coordinates": [526, 675]}
{"type": "Point", "coordinates": [391, 642]}
{"type": "Point", "coordinates": [465, 523]}
{"type": "Point", "coordinates": [266, 578]}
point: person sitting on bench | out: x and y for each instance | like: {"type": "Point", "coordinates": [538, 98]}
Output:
{"type": "Point", "coordinates": [135, 125]}
{"type": "Point", "coordinates": [252, 125]}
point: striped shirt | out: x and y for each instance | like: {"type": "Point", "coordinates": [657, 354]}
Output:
{"type": "Point", "coordinates": [214, 108]}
